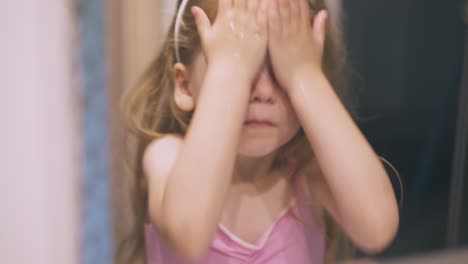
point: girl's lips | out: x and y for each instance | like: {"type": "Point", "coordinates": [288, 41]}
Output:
{"type": "Point", "coordinates": [258, 123]}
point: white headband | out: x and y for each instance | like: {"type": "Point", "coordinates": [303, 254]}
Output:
{"type": "Point", "coordinates": [180, 13]}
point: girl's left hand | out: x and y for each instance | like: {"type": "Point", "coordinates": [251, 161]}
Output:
{"type": "Point", "coordinates": [295, 46]}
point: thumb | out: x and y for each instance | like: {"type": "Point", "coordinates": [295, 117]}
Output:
{"type": "Point", "coordinates": [320, 26]}
{"type": "Point", "coordinates": [201, 20]}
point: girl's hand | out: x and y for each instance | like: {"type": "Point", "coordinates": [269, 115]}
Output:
{"type": "Point", "coordinates": [238, 37]}
{"type": "Point", "coordinates": [294, 45]}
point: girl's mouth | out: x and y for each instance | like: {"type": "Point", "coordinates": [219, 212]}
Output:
{"type": "Point", "coordinates": [258, 123]}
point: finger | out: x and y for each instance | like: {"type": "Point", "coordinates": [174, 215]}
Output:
{"type": "Point", "coordinates": [274, 24]}
{"type": "Point", "coordinates": [253, 5]}
{"type": "Point", "coordinates": [240, 5]}
{"type": "Point", "coordinates": [224, 5]}
{"type": "Point", "coordinates": [201, 20]}
{"type": "Point", "coordinates": [262, 13]}
{"type": "Point", "coordinates": [304, 13]}
{"type": "Point", "coordinates": [295, 12]}
{"type": "Point", "coordinates": [284, 11]}
{"type": "Point", "coordinates": [320, 26]}
{"type": "Point", "coordinates": [294, 7]}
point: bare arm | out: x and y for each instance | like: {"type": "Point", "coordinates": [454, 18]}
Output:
{"type": "Point", "coordinates": [188, 206]}
{"type": "Point", "coordinates": [187, 209]}
{"type": "Point", "coordinates": [355, 189]}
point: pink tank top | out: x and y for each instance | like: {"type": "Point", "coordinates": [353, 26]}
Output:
{"type": "Point", "coordinates": [286, 241]}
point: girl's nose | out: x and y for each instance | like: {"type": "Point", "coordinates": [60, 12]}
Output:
{"type": "Point", "coordinates": [264, 87]}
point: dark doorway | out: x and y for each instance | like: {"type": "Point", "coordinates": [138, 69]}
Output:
{"type": "Point", "coordinates": [407, 58]}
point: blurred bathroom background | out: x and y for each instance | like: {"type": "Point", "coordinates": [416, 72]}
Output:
{"type": "Point", "coordinates": [66, 63]}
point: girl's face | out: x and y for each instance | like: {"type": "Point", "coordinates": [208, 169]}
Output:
{"type": "Point", "coordinates": [270, 121]}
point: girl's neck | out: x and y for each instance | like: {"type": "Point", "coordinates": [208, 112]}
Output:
{"type": "Point", "coordinates": [255, 171]}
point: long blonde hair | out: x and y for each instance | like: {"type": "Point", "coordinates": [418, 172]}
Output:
{"type": "Point", "coordinates": [151, 113]}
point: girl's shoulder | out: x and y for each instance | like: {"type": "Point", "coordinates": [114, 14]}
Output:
{"type": "Point", "coordinates": [164, 149]}
{"type": "Point", "coordinates": [161, 154]}
{"type": "Point", "coordinates": [166, 141]}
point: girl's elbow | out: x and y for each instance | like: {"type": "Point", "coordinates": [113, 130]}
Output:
{"type": "Point", "coordinates": [376, 245]}
{"type": "Point", "coordinates": [188, 240]}
{"type": "Point", "coordinates": [192, 245]}
{"type": "Point", "coordinates": [191, 249]}
{"type": "Point", "coordinates": [381, 237]}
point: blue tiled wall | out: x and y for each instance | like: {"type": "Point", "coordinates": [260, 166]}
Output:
{"type": "Point", "coordinates": [96, 228]}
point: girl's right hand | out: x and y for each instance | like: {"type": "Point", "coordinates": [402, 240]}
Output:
{"type": "Point", "coordinates": [238, 36]}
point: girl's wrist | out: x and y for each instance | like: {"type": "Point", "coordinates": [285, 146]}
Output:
{"type": "Point", "coordinates": [307, 79]}
{"type": "Point", "coordinates": [311, 69]}
{"type": "Point", "coordinates": [232, 70]}
{"type": "Point", "coordinates": [305, 76]}
{"type": "Point", "coordinates": [227, 82]}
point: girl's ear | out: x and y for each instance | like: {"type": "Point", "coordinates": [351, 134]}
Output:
{"type": "Point", "coordinates": [182, 95]}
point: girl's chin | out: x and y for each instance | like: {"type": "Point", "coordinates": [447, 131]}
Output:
{"type": "Point", "coordinates": [256, 149]}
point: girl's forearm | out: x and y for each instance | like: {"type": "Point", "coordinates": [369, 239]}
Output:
{"type": "Point", "coordinates": [195, 190]}
{"type": "Point", "coordinates": [359, 185]}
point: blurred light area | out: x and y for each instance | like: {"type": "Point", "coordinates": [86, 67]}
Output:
{"type": "Point", "coordinates": [39, 157]}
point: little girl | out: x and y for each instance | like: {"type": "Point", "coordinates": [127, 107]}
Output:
{"type": "Point", "coordinates": [245, 151]}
